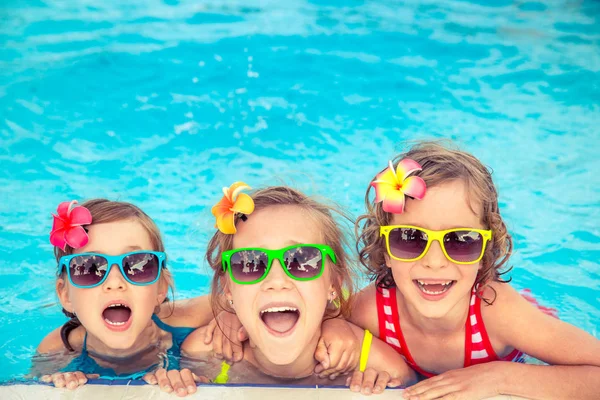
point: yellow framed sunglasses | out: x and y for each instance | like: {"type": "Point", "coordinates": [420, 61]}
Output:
{"type": "Point", "coordinates": [411, 243]}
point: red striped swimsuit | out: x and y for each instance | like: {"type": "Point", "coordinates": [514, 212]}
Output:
{"type": "Point", "coordinates": [478, 349]}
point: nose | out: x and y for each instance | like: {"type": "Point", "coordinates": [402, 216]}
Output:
{"type": "Point", "coordinates": [114, 280]}
{"type": "Point", "coordinates": [277, 279]}
{"type": "Point", "coordinates": [435, 257]}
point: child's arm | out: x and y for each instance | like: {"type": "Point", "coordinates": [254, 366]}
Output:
{"type": "Point", "coordinates": [194, 312]}
{"type": "Point", "coordinates": [512, 322]}
{"type": "Point", "coordinates": [384, 368]}
{"type": "Point", "coordinates": [182, 382]}
{"type": "Point", "coordinates": [338, 350]}
{"type": "Point", "coordinates": [52, 343]}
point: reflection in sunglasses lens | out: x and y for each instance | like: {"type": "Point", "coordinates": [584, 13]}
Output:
{"type": "Point", "coordinates": [303, 261]}
{"type": "Point", "coordinates": [87, 270]}
{"type": "Point", "coordinates": [463, 246]}
{"type": "Point", "coordinates": [248, 265]}
{"type": "Point", "coordinates": [141, 267]}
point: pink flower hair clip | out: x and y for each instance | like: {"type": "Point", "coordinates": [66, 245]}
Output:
{"type": "Point", "coordinates": [67, 226]}
{"type": "Point", "coordinates": [391, 186]}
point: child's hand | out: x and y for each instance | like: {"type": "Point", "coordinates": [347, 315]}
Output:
{"type": "Point", "coordinates": [181, 382]}
{"type": "Point", "coordinates": [475, 382]}
{"type": "Point", "coordinates": [371, 381]}
{"type": "Point", "coordinates": [227, 337]}
{"type": "Point", "coordinates": [338, 350]}
{"type": "Point", "coordinates": [69, 380]}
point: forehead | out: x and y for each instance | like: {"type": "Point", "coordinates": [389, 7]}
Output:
{"type": "Point", "coordinates": [275, 227]}
{"type": "Point", "coordinates": [444, 206]}
{"type": "Point", "coordinates": [117, 237]}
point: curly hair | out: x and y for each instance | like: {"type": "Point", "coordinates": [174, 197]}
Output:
{"type": "Point", "coordinates": [105, 211]}
{"type": "Point", "coordinates": [332, 235]}
{"type": "Point", "coordinates": [440, 164]}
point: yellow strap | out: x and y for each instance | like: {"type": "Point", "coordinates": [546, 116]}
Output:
{"type": "Point", "coordinates": [366, 349]}
{"type": "Point", "coordinates": [223, 376]}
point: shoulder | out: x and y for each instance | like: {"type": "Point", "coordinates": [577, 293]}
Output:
{"type": "Point", "coordinates": [194, 343]}
{"type": "Point", "coordinates": [53, 343]}
{"type": "Point", "coordinates": [194, 312]}
{"type": "Point", "coordinates": [364, 309]}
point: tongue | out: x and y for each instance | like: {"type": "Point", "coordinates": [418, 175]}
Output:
{"type": "Point", "coordinates": [280, 321]}
{"type": "Point", "coordinates": [436, 287]}
{"type": "Point", "coordinates": [117, 314]}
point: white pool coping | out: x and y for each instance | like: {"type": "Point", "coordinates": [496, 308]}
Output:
{"type": "Point", "coordinates": [208, 392]}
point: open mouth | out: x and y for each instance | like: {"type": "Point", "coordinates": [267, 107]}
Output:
{"type": "Point", "coordinates": [117, 315]}
{"type": "Point", "coordinates": [280, 320]}
{"type": "Point", "coordinates": [434, 288]}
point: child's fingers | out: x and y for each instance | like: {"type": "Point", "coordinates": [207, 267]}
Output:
{"type": "Point", "coordinates": [200, 379]}
{"type": "Point", "coordinates": [342, 364]}
{"type": "Point", "coordinates": [58, 379]}
{"type": "Point", "coordinates": [242, 335]}
{"type": "Point", "coordinates": [150, 379]}
{"type": "Point", "coordinates": [176, 383]}
{"type": "Point", "coordinates": [394, 382]}
{"type": "Point", "coordinates": [368, 381]}
{"type": "Point", "coordinates": [356, 381]}
{"type": "Point", "coordinates": [163, 380]}
{"type": "Point", "coordinates": [218, 343]}
{"type": "Point", "coordinates": [71, 381]}
{"type": "Point", "coordinates": [227, 349]}
{"type": "Point", "coordinates": [322, 357]}
{"type": "Point", "coordinates": [208, 334]}
{"type": "Point", "coordinates": [81, 378]}
{"type": "Point", "coordinates": [382, 380]}
{"type": "Point", "coordinates": [46, 378]}
{"type": "Point", "coordinates": [188, 380]}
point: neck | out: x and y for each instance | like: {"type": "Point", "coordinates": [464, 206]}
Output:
{"type": "Point", "coordinates": [301, 367]}
{"type": "Point", "coordinates": [452, 322]}
{"type": "Point", "coordinates": [148, 340]}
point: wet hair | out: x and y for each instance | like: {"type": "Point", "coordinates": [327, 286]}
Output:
{"type": "Point", "coordinates": [441, 164]}
{"type": "Point", "coordinates": [342, 272]}
{"type": "Point", "coordinates": [105, 211]}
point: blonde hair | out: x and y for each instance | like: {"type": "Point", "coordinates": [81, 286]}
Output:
{"type": "Point", "coordinates": [440, 165]}
{"type": "Point", "coordinates": [332, 235]}
{"type": "Point", "coordinates": [105, 211]}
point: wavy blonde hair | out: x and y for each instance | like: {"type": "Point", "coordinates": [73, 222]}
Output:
{"type": "Point", "coordinates": [441, 164]}
{"type": "Point", "coordinates": [342, 273]}
{"type": "Point", "coordinates": [105, 211]}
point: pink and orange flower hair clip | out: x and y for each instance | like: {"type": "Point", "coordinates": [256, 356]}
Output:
{"type": "Point", "coordinates": [233, 202]}
{"type": "Point", "coordinates": [392, 185]}
{"type": "Point", "coordinates": [67, 226]}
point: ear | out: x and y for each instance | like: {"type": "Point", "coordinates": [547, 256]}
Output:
{"type": "Point", "coordinates": [163, 290]}
{"type": "Point", "coordinates": [62, 291]}
{"type": "Point", "coordinates": [226, 287]}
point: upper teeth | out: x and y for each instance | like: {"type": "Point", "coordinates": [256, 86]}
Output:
{"type": "Point", "coordinates": [278, 309]}
{"type": "Point", "coordinates": [441, 283]}
{"type": "Point", "coordinates": [117, 305]}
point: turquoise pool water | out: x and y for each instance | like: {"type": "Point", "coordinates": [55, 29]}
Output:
{"type": "Point", "coordinates": [164, 102]}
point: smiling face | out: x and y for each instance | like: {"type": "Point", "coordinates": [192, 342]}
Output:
{"type": "Point", "coordinates": [434, 285]}
{"type": "Point", "coordinates": [115, 312]}
{"type": "Point", "coordinates": [281, 315]}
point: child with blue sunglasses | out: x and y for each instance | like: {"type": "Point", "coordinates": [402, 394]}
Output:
{"type": "Point", "coordinates": [112, 280]}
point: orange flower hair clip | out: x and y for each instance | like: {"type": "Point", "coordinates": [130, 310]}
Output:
{"type": "Point", "coordinates": [233, 202]}
{"type": "Point", "coordinates": [391, 186]}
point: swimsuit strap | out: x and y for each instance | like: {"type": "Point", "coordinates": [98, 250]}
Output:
{"type": "Point", "coordinates": [366, 349]}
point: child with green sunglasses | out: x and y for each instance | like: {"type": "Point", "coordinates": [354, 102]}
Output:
{"type": "Point", "coordinates": [279, 263]}
{"type": "Point", "coordinates": [435, 244]}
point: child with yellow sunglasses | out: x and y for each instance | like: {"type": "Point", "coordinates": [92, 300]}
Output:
{"type": "Point", "coordinates": [436, 245]}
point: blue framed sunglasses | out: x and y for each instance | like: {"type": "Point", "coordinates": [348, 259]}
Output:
{"type": "Point", "coordinates": [88, 270]}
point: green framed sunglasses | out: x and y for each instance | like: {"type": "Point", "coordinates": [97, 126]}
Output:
{"type": "Point", "coordinates": [301, 262]}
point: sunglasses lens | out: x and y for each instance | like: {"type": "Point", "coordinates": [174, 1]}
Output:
{"type": "Point", "coordinates": [248, 265]}
{"type": "Point", "coordinates": [463, 246]}
{"type": "Point", "coordinates": [303, 261]}
{"type": "Point", "coordinates": [87, 270]}
{"type": "Point", "coordinates": [407, 243]}
{"type": "Point", "coordinates": [141, 267]}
